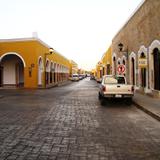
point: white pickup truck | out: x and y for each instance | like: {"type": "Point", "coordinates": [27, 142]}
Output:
{"type": "Point", "coordinates": [115, 87]}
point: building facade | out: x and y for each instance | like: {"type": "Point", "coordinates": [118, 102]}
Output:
{"type": "Point", "coordinates": [73, 67]}
{"type": "Point", "coordinates": [137, 47]}
{"type": "Point", "coordinates": [104, 66]}
{"type": "Point", "coordinates": [28, 63]}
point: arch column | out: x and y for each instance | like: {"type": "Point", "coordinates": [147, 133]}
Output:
{"type": "Point", "coordinates": [47, 72]}
{"type": "Point", "coordinates": [40, 71]}
{"type": "Point", "coordinates": [114, 66]}
{"type": "Point", "coordinates": [133, 69]}
{"type": "Point", "coordinates": [143, 72]}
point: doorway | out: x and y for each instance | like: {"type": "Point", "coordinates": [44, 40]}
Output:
{"type": "Point", "coordinates": [143, 77]}
{"type": "Point", "coordinates": [12, 71]}
{"type": "Point", "coordinates": [156, 59]}
{"type": "Point", "coordinates": [133, 71]}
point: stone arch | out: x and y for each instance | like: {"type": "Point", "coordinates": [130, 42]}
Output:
{"type": "Point", "coordinates": [55, 72]}
{"type": "Point", "coordinates": [119, 61]}
{"type": "Point", "coordinates": [47, 65]}
{"type": "Point", "coordinates": [14, 53]}
{"type": "Point", "coordinates": [143, 71]}
{"type": "Point", "coordinates": [123, 62]}
{"type": "Point", "coordinates": [12, 70]}
{"type": "Point", "coordinates": [132, 68]}
{"type": "Point", "coordinates": [51, 71]}
{"type": "Point", "coordinates": [47, 72]}
{"type": "Point", "coordinates": [114, 64]}
{"type": "Point", "coordinates": [40, 70]}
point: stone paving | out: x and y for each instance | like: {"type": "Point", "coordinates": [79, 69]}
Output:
{"type": "Point", "coordinates": [68, 123]}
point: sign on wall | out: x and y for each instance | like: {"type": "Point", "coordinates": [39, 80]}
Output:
{"type": "Point", "coordinates": [121, 69]}
{"type": "Point", "coordinates": [142, 62]}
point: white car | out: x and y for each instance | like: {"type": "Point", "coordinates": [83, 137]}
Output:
{"type": "Point", "coordinates": [75, 77]}
{"type": "Point", "coordinates": [115, 87]}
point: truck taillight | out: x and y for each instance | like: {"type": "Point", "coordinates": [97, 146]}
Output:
{"type": "Point", "coordinates": [103, 88]}
{"type": "Point", "coordinates": [132, 89]}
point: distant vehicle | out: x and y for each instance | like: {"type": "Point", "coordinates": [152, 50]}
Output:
{"type": "Point", "coordinates": [92, 77]}
{"type": "Point", "coordinates": [81, 76]}
{"type": "Point", "coordinates": [75, 77]}
{"type": "Point", "coordinates": [115, 87]}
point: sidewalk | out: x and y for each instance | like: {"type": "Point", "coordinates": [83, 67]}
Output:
{"type": "Point", "coordinates": [148, 104]}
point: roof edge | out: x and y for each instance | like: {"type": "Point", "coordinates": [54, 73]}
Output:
{"type": "Point", "coordinates": [134, 12]}
{"type": "Point", "coordinates": [31, 39]}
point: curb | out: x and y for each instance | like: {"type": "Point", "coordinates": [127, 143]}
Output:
{"type": "Point", "coordinates": [155, 116]}
{"type": "Point", "coordinates": [64, 83]}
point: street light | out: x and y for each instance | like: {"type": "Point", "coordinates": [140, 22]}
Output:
{"type": "Point", "coordinates": [125, 52]}
{"type": "Point", "coordinates": [120, 45]}
{"type": "Point", "coordinates": [51, 50]}
{"type": "Point", "coordinates": [45, 55]}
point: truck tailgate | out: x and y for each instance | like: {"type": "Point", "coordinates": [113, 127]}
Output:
{"type": "Point", "coordinates": [118, 89]}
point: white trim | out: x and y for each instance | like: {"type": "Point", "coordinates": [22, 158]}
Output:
{"type": "Point", "coordinates": [40, 57]}
{"type": "Point", "coordinates": [132, 55]}
{"type": "Point", "coordinates": [47, 67]}
{"type": "Point", "coordinates": [154, 44]}
{"type": "Point", "coordinates": [123, 58]}
{"type": "Point", "coordinates": [114, 55]}
{"type": "Point", "coordinates": [13, 53]}
{"type": "Point", "coordinates": [55, 67]}
{"type": "Point", "coordinates": [32, 39]}
{"type": "Point", "coordinates": [144, 50]}
{"type": "Point", "coordinates": [119, 60]}
{"type": "Point", "coordinates": [40, 70]}
{"type": "Point", "coordinates": [26, 40]}
{"type": "Point", "coordinates": [114, 67]}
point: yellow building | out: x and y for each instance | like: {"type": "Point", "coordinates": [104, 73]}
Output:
{"type": "Point", "coordinates": [103, 67]}
{"type": "Point", "coordinates": [107, 62]}
{"type": "Point", "coordinates": [29, 63]}
{"type": "Point", "coordinates": [93, 72]}
{"type": "Point", "coordinates": [73, 67]}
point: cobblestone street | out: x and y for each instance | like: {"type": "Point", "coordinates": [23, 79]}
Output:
{"type": "Point", "coordinates": [68, 123]}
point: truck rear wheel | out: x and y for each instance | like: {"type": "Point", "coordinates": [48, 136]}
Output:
{"type": "Point", "coordinates": [128, 101]}
{"type": "Point", "coordinates": [101, 98]}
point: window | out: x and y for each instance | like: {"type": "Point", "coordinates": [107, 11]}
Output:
{"type": "Point", "coordinates": [114, 80]}
{"type": "Point", "coordinates": [120, 80]}
{"type": "Point", "coordinates": [110, 80]}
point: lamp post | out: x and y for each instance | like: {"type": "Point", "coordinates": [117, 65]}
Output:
{"type": "Point", "coordinates": [120, 46]}
{"type": "Point", "coordinates": [45, 57]}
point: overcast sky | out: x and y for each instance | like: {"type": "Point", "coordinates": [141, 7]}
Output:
{"type": "Point", "coordinates": [81, 30]}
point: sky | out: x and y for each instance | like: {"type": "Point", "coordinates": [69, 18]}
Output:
{"type": "Point", "coordinates": [81, 30]}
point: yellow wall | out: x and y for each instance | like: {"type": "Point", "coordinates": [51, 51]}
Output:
{"type": "Point", "coordinates": [73, 67]}
{"type": "Point", "coordinates": [30, 51]}
{"type": "Point", "coordinates": [106, 59]}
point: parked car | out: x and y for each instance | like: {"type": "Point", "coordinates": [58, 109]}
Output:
{"type": "Point", "coordinates": [75, 77]}
{"type": "Point", "coordinates": [115, 87]}
{"type": "Point", "coordinates": [81, 76]}
{"type": "Point", "coordinates": [92, 77]}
